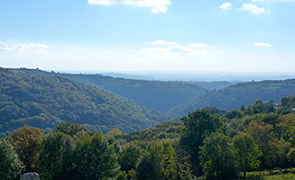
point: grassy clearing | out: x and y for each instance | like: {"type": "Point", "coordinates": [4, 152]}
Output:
{"type": "Point", "coordinates": [277, 174]}
{"type": "Point", "coordinates": [289, 176]}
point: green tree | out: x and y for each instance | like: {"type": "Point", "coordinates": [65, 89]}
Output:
{"type": "Point", "coordinates": [248, 152]}
{"type": "Point", "coordinates": [287, 128]}
{"type": "Point", "coordinates": [95, 158]}
{"type": "Point", "coordinates": [217, 157]}
{"type": "Point", "coordinates": [73, 130]}
{"type": "Point", "coordinates": [291, 156]}
{"type": "Point", "coordinates": [122, 176]}
{"type": "Point", "coordinates": [197, 126]}
{"type": "Point", "coordinates": [10, 165]}
{"type": "Point", "coordinates": [56, 149]}
{"type": "Point", "coordinates": [260, 107]}
{"type": "Point", "coordinates": [146, 170]}
{"type": "Point", "coordinates": [27, 141]}
{"type": "Point", "coordinates": [129, 157]}
{"type": "Point", "coordinates": [158, 163]}
{"type": "Point", "coordinates": [267, 142]}
{"type": "Point", "coordinates": [233, 114]}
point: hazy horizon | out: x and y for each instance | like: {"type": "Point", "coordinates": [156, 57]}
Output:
{"type": "Point", "coordinates": [208, 76]}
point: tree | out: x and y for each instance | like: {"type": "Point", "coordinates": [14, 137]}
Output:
{"type": "Point", "coordinates": [53, 163]}
{"type": "Point", "coordinates": [27, 141]}
{"type": "Point", "coordinates": [264, 137]}
{"type": "Point", "coordinates": [95, 158]}
{"type": "Point", "coordinates": [287, 128]}
{"type": "Point", "coordinates": [73, 130]}
{"type": "Point", "coordinates": [197, 126]}
{"type": "Point", "coordinates": [260, 107]}
{"type": "Point", "coordinates": [217, 157]}
{"type": "Point", "coordinates": [122, 176]}
{"type": "Point", "coordinates": [10, 165]}
{"type": "Point", "coordinates": [158, 163]}
{"type": "Point", "coordinates": [233, 114]}
{"type": "Point", "coordinates": [146, 170]}
{"type": "Point", "coordinates": [115, 132]}
{"type": "Point", "coordinates": [248, 152]}
{"type": "Point", "coordinates": [291, 156]}
{"type": "Point", "coordinates": [129, 157]}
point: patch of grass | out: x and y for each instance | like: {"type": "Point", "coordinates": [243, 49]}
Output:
{"type": "Point", "coordinates": [276, 174]}
{"type": "Point", "coordinates": [289, 176]}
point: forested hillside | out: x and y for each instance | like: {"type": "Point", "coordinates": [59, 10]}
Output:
{"type": "Point", "coordinates": [157, 95]}
{"type": "Point", "coordinates": [257, 142]}
{"type": "Point", "coordinates": [235, 96]}
{"type": "Point", "coordinates": [45, 101]}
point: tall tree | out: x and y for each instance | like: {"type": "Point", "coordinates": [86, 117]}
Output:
{"type": "Point", "coordinates": [267, 142]}
{"type": "Point", "coordinates": [54, 156]}
{"type": "Point", "coordinates": [197, 126]}
{"type": "Point", "coordinates": [10, 165]}
{"type": "Point", "coordinates": [158, 163]}
{"type": "Point", "coordinates": [248, 152]}
{"type": "Point", "coordinates": [287, 128]}
{"type": "Point", "coordinates": [27, 141]}
{"type": "Point", "coordinates": [129, 157]}
{"type": "Point", "coordinates": [94, 158]}
{"type": "Point", "coordinates": [217, 157]}
{"type": "Point", "coordinates": [146, 170]}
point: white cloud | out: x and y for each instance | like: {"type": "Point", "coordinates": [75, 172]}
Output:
{"type": "Point", "coordinates": [226, 6]}
{"type": "Point", "coordinates": [252, 8]}
{"type": "Point", "coordinates": [163, 42]}
{"type": "Point", "coordinates": [31, 46]}
{"type": "Point", "coordinates": [170, 48]}
{"type": "Point", "coordinates": [200, 45]}
{"type": "Point", "coordinates": [262, 44]}
{"type": "Point", "coordinates": [25, 48]}
{"type": "Point", "coordinates": [157, 6]}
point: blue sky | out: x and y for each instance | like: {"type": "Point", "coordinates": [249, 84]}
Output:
{"type": "Point", "coordinates": [157, 35]}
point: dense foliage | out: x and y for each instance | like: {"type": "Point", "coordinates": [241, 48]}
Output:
{"type": "Point", "coordinates": [44, 102]}
{"type": "Point", "coordinates": [200, 145]}
{"type": "Point", "coordinates": [10, 165]}
{"type": "Point", "coordinates": [27, 141]}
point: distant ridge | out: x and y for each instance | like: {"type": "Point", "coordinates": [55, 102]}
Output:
{"type": "Point", "coordinates": [44, 101]}
{"type": "Point", "coordinates": [156, 95]}
{"type": "Point", "coordinates": [235, 96]}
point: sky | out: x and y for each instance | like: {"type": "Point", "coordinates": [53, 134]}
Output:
{"type": "Point", "coordinates": [148, 35]}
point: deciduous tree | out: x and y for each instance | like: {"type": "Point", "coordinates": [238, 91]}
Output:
{"type": "Point", "coordinates": [27, 141]}
{"type": "Point", "coordinates": [10, 165]}
{"type": "Point", "coordinates": [94, 158]}
{"type": "Point", "coordinates": [248, 152]}
{"type": "Point", "coordinates": [197, 126]}
{"type": "Point", "coordinates": [217, 157]}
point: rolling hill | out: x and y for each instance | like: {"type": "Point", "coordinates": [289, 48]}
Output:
{"type": "Point", "coordinates": [156, 95]}
{"type": "Point", "coordinates": [235, 96]}
{"type": "Point", "coordinates": [44, 101]}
